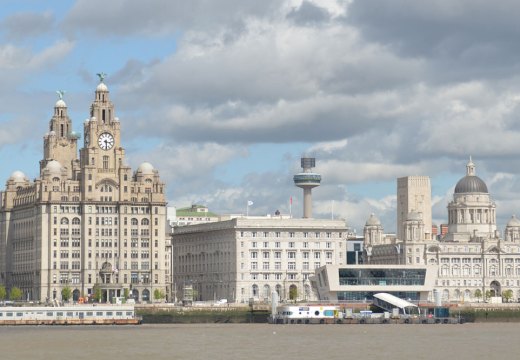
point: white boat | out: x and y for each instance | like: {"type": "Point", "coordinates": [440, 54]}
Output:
{"type": "Point", "coordinates": [69, 315]}
{"type": "Point", "coordinates": [307, 314]}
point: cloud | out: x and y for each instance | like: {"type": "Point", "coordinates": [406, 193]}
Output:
{"type": "Point", "coordinates": [161, 17]}
{"type": "Point", "coordinates": [462, 39]}
{"type": "Point", "coordinates": [23, 59]}
{"type": "Point", "coordinates": [26, 25]}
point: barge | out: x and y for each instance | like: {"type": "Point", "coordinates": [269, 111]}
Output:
{"type": "Point", "coordinates": [330, 314]}
{"type": "Point", "coordinates": [69, 315]}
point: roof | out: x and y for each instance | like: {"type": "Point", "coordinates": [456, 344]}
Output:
{"type": "Point", "coordinates": [192, 211]}
{"type": "Point", "coordinates": [471, 184]}
{"type": "Point", "coordinates": [394, 300]}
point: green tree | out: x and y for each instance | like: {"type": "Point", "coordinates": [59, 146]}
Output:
{"type": "Point", "coordinates": [126, 293]}
{"type": "Point", "coordinates": [293, 293]}
{"type": "Point", "coordinates": [507, 295]}
{"type": "Point", "coordinates": [15, 294]}
{"type": "Point", "coordinates": [478, 294]}
{"type": "Point", "coordinates": [66, 293]}
{"type": "Point", "coordinates": [96, 293]}
{"type": "Point", "coordinates": [489, 294]}
{"type": "Point", "coordinates": [3, 293]}
{"type": "Point", "coordinates": [158, 294]}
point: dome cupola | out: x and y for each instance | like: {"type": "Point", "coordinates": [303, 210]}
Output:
{"type": "Point", "coordinates": [471, 183]}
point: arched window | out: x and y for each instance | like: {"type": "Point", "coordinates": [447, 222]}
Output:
{"type": "Point", "coordinates": [76, 221]}
{"type": "Point", "coordinates": [64, 221]}
{"type": "Point", "coordinates": [445, 295]}
{"type": "Point", "coordinates": [278, 289]}
{"type": "Point", "coordinates": [134, 221]}
{"type": "Point", "coordinates": [255, 290]}
{"type": "Point", "coordinates": [267, 291]}
{"type": "Point", "coordinates": [145, 222]}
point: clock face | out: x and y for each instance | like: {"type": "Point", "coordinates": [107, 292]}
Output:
{"type": "Point", "coordinates": [106, 141]}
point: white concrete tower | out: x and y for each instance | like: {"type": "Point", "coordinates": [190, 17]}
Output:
{"type": "Point", "coordinates": [307, 180]}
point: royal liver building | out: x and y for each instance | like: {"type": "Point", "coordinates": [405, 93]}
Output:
{"type": "Point", "coordinates": [85, 221]}
{"type": "Point", "coordinates": [471, 260]}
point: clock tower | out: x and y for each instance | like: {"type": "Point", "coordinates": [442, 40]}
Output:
{"type": "Point", "coordinates": [89, 224]}
{"type": "Point", "coordinates": [102, 158]}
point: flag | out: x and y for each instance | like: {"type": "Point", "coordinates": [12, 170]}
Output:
{"type": "Point", "coordinates": [291, 200]}
{"type": "Point", "coordinates": [249, 203]}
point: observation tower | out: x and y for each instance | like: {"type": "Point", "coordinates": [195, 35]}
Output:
{"type": "Point", "coordinates": [307, 180]}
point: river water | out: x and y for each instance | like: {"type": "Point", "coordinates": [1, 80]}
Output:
{"type": "Point", "coordinates": [262, 341]}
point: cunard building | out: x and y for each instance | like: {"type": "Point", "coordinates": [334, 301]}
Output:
{"type": "Point", "coordinates": [87, 221]}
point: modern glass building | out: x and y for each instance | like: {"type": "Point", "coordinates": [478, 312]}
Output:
{"type": "Point", "coordinates": [358, 283]}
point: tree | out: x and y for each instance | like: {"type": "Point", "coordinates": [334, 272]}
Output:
{"type": "Point", "coordinates": [293, 293]}
{"type": "Point", "coordinates": [126, 293]}
{"type": "Point", "coordinates": [158, 294]}
{"type": "Point", "coordinates": [66, 293]}
{"type": "Point", "coordinates": [489, 294]}
{"type": "Point", "coordinates": [15, 294]}
{"type": "Point", "coordinates": [507, 295]}
{"type": "Point", "coordinates": [478, 294]}
{"type": "Point", "coordinates": [3, 293]}
{"type": "Point", "coordinates": [96, 293]}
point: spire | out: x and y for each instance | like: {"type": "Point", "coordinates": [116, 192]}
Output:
{"type": "Point", "coordinates": [470, 168]}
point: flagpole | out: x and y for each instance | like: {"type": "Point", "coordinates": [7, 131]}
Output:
{"type": "Point", "coordinates": [290, 208]}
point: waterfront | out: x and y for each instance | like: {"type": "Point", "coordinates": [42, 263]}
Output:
{"type": "Point", "coordinates": [261, 341]}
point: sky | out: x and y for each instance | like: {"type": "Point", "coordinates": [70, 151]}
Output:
{"type": "Point", "coordinates": [224, 97]}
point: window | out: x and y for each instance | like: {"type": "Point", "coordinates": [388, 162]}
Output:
{"type": "Point", "coordinates": [254, 255]}
{"type": "Point", "coordinates": [291, 244]}
{"type": "Point", "coordinates": [105, 162]}
{"type": "Point", "coordinates": [291, 265]}
{"type": "Point", "coordinates": [254, 265]}
{"type": "Point", "coordinates": [266, 254]}
{"type": "Point", "coordinates": [291, 255]}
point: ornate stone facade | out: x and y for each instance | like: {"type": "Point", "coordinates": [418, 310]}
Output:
{"type": "Point", "coordinates": [472, 259]}
{"type": "Point", "coordinates": [85, 221]}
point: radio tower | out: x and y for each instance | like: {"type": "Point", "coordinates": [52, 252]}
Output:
{"type": "Point", "coordinates": [307, 180]}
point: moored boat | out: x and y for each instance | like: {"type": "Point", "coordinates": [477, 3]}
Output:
{"type": "Point", "coordinates": [69, 315]}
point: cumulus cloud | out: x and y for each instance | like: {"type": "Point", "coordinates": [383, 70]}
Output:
{"type": "Point", "coordinates": [374, 90]}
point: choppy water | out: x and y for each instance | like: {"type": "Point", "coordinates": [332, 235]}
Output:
{"type": "Point", "coordinates": [262, 341]}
